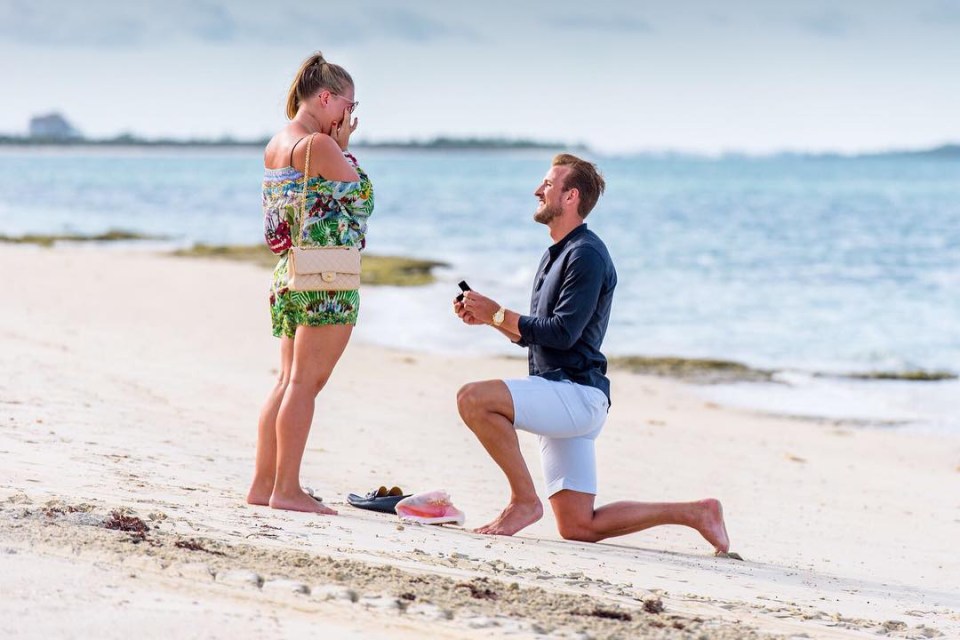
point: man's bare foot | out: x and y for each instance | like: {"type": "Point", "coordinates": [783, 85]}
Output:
{"type": "Point", "coordinates": [300, 501]}
{"type": "Point", "coordinates": [711, 525]}
{"type": "Point", "coordinates": [515, 517]}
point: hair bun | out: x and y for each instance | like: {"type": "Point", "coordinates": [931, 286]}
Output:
{"type": "Point", "coordinates": [314, 74]}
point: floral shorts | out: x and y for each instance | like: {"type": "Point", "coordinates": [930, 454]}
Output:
{"type": "Point", "coordinates": [291, 309]}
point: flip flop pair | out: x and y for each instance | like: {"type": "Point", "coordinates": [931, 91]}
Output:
{"type": "Point", "coordinates": [382, 500]}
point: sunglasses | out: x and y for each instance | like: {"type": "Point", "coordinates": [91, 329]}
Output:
{"type": "Point", "coordinates": [351, 105]}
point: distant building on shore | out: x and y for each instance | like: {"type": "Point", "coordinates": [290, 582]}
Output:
{"type": "Point", "coordinates": [53, 126]}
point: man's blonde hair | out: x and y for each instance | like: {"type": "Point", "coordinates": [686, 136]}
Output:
{"type": "Point", "coordinates": [585, 178]}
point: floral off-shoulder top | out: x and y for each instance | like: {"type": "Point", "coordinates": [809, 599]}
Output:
{"type": "Point", "coordinates": [337, 212]}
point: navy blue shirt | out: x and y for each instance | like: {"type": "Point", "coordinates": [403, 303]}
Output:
{"type": "Point", "coordinates": [569, 311]}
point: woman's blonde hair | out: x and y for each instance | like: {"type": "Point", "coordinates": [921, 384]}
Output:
{"type": "Point", "coordinates": [315, 74]}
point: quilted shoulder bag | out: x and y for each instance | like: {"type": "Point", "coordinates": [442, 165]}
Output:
{"type": "Point", "coordinates": [320, 268]}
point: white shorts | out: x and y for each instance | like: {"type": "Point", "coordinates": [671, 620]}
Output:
{"type": "Point", "coordinates": [568, 417]}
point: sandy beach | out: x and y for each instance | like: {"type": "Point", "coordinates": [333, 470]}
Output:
{"type": "Point", "coordinates": [129, 392]}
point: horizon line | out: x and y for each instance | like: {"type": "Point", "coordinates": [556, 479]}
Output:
{"type": "Point", "coordinates": [445, 141]}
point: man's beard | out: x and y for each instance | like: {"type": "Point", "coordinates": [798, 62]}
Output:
{"type": "Point", "coordinates": [547, 214]}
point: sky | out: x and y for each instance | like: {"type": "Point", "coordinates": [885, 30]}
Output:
{"type": "Point", "coordinates": [620, 76]}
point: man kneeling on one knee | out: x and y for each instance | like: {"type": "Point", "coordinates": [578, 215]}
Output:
{"type": "Point", "coordinates": [566, 397]}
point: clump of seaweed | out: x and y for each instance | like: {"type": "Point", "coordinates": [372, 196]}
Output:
{"type": "Point", "coordinates": [479, 591]}
{"type": "Point", "coordinates": [606, 614]}
{"type": "Point", "coordinates": [701, 370]}
{"type": "Point", "coordinates": [48, 240]}
{"type": "Point", "coordinates": [914, 375]}
{"type": "Point", "coordinates": [396, 271]}
{"type": "Point", "coordinates": [255, 253]}
{"type": "Point", "coordinates": [196, 545]}
{"type": "Point", "coordinates": [130, 524]}
{"type": "Point", "coordinates": [653, 605]}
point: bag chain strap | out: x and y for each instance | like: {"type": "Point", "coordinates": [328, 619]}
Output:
{"type": "Point", "coordinates": [303, 206]}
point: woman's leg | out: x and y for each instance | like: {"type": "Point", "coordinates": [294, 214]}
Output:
{"type": "Point", "coordinates": [316, 351]}
{"type": "Point", "coordinates": [265, 470]}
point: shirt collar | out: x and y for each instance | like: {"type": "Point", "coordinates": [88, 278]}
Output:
{"type": "Point", "coordinates": [556, 248]}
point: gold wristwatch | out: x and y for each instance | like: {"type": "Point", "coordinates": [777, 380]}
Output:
{"type": "Point", "coordinates": [498, 317]}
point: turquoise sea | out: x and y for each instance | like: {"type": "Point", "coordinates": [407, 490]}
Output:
{"type": "Point", "coordinates": [804, 265]}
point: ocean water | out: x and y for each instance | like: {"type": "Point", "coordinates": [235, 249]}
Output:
{"type": "Point", "coordinates": [803, 265]}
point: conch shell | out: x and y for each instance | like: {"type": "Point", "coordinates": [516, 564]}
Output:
{"type": "Point", "coordinates": [430, 507]}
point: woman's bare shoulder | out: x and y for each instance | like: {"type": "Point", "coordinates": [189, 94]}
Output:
{"type": "Point", "coordinates": [324, 144]}
{"type": "Point", "coordinates": [277, 153]}
{"type": "Point", "coordinates": [326, 159]}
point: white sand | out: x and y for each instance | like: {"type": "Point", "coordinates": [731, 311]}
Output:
{"type": "Point", "coordinates": [134, 381]}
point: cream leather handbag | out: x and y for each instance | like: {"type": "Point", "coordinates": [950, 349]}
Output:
{"type": "Point", "coordinates": [320, 268]}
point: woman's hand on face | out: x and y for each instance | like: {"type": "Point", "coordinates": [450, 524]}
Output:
{"type": "Point", "coordinates": [342, 130]}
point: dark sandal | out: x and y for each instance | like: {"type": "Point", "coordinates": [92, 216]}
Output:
{"type": "Point", "coordinates": [382, 500]}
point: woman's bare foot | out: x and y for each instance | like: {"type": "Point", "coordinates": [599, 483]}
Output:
{"type": "Point", "coordinates": [711, 525]}
{"type": "Point", "coordinates": [260, 492]}
{"type": "Point", "coordinates": [516, 516]}
{"type": "Point", "coordinates": [300, 501]}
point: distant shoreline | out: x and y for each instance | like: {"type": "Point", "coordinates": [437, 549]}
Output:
{"type": "Point", "coordinates": [436, 144]}
{"type": "Point", "coordinates": [942, 152]}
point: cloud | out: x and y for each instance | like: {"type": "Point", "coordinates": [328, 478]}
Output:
{"type": "Point", "coordinates": [408, 25]}
{"type": "Point", "coordinates": [602, 23]}
{"type": "Point", "coordinates": [110, 24]}
{"type": "Point", "coordinates": [84, 25]}
{"type": "Point", "coordinates": [387, 22]}
{"type": "Point", "coordinates": [717, 18]}
{"type": "Point", "coordinates": [827, 24]}
{"type": "Point", "coordinates": [113, 25]}
{"type": "Point", "coordinates": [944, 13]}
{"type": "Point", "coordinates": [210, 22]}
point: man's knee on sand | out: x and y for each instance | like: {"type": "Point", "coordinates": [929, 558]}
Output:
{"type": "Point", "coordinates": [578, 530]}
{"type": "Point", "coordinates": [579, 535]}
{"type": "Point", "coordinates": [574, 522]}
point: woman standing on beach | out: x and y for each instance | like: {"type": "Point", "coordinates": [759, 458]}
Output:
{"type": "Point", "coordinates": [313, 326]}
